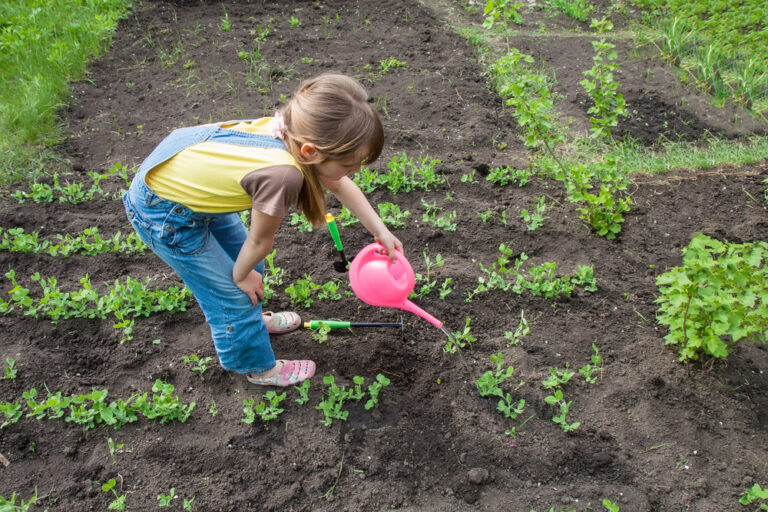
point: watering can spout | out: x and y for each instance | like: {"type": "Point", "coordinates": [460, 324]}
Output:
{"type": "Point", "coordinates": [413, 308]}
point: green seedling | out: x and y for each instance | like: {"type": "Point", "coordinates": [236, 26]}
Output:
{"type": "Point", "coordinates": [557, 399]}
{"type": "Point", "coordinates": [295, 23]}
{"type": "Point", "coordinates": [390, 63]}
{"type": "Point", "coordinates": [502, 12]}
{"type": "Point", "coordinates": [469, 177]}
{"type": "Point", "coordinates": [268, 409]}
{"type": "Point", "coordinates": [523, 330]}
{"type": "Point", "coordinates": [187, 505]}
{"type": "Point", "coordinates": [12, 413]}
{"type": "Point", "coordinates": [459, 339]}
{"type": "Point", "coordinates": [427, 284]}
{"type": "Point", "coordinates": [21, 506]}
{"type": "Point", "coordinates": [391, 215]}
{"type": "Point", "coordinates": [576, 9]}
{"type": "Point", "coordinates": [119, 502]}
{"type": "Point", "coordinates": [503, 176]}
{"type": "Point", "coordinates": [754, 494]}
{"type": "Point", "coordinates": [166, 500]}
{"type": "Point", "coordinates": [332, 404]}
{"type": "Point", "coordinates": [588, 370]}
{"type": "Point", "coordinates": [224, 24]}
{"type": "Point", "coordinates": [558, 378]}
{"type": "Point", "coordinates": [486, 215]}
{"type": "Point", "coordinates": [608, 104]}
{"type": "Point", "coordinates": [115, 448]}
{"type": "Point", "coordinates": [374, 389]}
{"type": "Point", "coordinates": [320, 334]}
{"type": "Point", "coordinates": [196, 363]}
{"type": "Point", "coordinates": [303, 291]}
{"type": "Point", "coordinates": [535, 219]}
{"type": "Point", "coordinates": [610, 506]}
{"type": "Point", "coordinates": [444, 222]}
{"type": "Point", "coordinates": [87, 242]}
{"type": "Point", "coordinates": [445, 288]}
{"type": "Point", "coordinates": [213, 410]}
{"type": "Point", "coordinates": [303, 390]}
{"type": "Point", "coordinates": [298, 219]}
{"type": "Point", "coordinates": [488, 383]}
{"type": "Point", "coordinates": [273, 276]}
{"type": "Point", "coordinates": [346, 218]}
{"type": "Point", "coordinates": [9, 371]}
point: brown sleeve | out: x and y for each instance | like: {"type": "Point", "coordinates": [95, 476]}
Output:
{"type": "Point", "coordinates": [273, 189]}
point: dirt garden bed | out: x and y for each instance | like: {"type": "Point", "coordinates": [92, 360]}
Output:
{"type": "Point", "coordinates": [654, 435]}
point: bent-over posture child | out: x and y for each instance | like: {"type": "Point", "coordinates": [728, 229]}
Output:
{"type": "Point", "coordinates": [184, 199]}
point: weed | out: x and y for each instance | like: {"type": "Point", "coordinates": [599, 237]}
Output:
{"type": "Point", "coordinates": [196, 363]}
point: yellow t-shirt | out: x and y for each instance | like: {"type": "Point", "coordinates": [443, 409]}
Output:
{"type": "Point", "coordinates": [209, 177]}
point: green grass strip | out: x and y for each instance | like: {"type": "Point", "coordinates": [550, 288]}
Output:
{"type": "Point", "coordinates": [44, 45]}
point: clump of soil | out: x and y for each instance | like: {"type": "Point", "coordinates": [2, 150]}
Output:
{"type": "Point", "coordinates": [654, 435]}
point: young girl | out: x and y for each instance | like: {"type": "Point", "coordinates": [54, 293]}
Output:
{"type": "Point", "coordinates": [184, 199]}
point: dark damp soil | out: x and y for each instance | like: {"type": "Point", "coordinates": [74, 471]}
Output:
{"type": "Point", "coordinates": [655, 435]}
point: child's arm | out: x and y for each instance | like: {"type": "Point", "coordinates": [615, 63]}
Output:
{"type": "Point", "coordinates": [257, 246]}
{"type": "Point", "coordinates": [353, 198]}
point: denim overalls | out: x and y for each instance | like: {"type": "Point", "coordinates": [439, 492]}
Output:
{"type": "Point", "coordinates": [202, 249]}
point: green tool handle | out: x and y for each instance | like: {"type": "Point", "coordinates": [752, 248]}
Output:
{"type": "Point", "coordinates": [334, 229]}
{"type": "Point", "coordinates": [333, 324]}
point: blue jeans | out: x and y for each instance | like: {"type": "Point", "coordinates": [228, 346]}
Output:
{"type": "Point", "coordinates": [202, 249]}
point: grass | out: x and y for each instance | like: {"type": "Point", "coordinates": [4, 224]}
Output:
{"type": "Point", "coordinates": [44, 46]}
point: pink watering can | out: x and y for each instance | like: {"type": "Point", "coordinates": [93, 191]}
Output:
{"type": "Point", "coordinates": [379, 282]}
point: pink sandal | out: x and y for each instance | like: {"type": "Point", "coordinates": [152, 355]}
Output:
{"type": "Point", "coordinates": [279, 323]}
{"type": "Point", "coordinates": [290, 374]}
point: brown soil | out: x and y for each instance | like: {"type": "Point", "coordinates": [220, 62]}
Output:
{"type": "Point", "coordinates": [655, 435]}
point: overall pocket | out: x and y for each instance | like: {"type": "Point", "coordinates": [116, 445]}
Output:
{"type": "Point", "coordinates": [184, 233]}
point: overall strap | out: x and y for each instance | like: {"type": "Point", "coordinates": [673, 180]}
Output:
{"type": "Point", "coordinates": [182, 138]}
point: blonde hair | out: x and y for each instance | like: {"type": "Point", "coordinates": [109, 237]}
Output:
{"type": "Point", "coordinates": [332, 112]}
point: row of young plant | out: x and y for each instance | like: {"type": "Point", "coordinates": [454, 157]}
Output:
{"type": "Point", "coordinates": [91, 409]}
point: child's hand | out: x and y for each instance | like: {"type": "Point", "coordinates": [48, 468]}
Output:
{"type": "Point", "coordinates": [253, 286]}
{"type": "Point", "coordinates": [390, 243]}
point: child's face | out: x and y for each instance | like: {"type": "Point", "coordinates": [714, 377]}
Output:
{"type": "Point", "coordinates": [337, 169]}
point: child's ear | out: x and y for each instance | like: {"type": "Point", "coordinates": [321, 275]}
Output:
{"type": "Point", "coordinates": [308, 151]}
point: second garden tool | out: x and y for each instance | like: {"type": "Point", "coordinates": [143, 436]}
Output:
{"type": "Point", "coordinates": [340, 324]}
{"type": "Point", "coordinates": [339, 266]}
